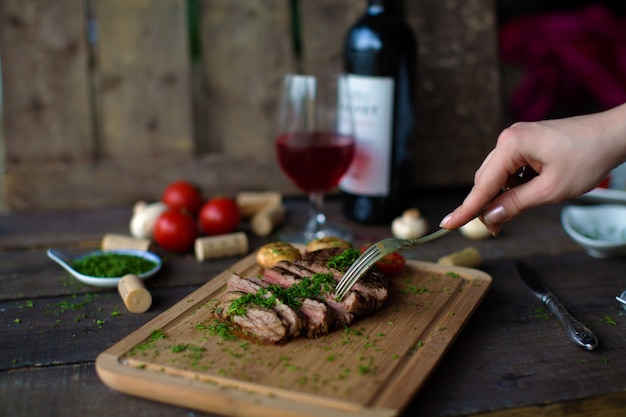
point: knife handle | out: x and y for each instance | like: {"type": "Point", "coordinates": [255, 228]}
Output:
{"type": "Point", "coordinates": [576, 331]}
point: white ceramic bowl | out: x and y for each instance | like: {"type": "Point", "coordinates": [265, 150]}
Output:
{"type": "Point", "coordinates": [66, 260]}
{"type": "Point", "coordinates": [600, 229]}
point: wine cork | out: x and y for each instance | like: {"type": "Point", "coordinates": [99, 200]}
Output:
{"type": "Point", "coordinates": [136, 297]}
{"type": "Point", "coordinates": [469, 257]}
{"type": "Point", "coordinates": [251, 202]}
{"type": "Point", "coordinates": [264, 222]}
{"type": "Point", "coordinates": [221, 246]}
{"type": "Point", "coordinates": [114, 241]}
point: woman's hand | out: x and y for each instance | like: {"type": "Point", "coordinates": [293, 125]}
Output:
{"type": "Point", "coordinates": [571, 156]}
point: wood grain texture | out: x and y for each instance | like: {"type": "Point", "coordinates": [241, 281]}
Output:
{"type": "Point", "coordinates": [47, 114]}
{"type": "Point", "coordinates": [67, 149]}
{"type": "Point", "coordinates": [142, 77]}
{"type": "Point", "coordinates": [511, 359]}
{"type": "Point", "coordinates": [118, 184]}
{"type": "Point", "coordinates": [74, 383]}
{"type": "Point", "coordinates": [325, 24]}
{"type": "Point", "coordinates": [460, 111]}
{"type": "Point", "coordinates": [246, 50]}
{"type": "Point", "coordinates": [373, 368]}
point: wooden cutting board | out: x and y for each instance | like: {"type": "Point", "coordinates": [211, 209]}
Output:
{"type": "Point", "coordinates": [373, 368]}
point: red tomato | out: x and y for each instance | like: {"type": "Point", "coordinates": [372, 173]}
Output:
{"type": "Point", "coordinates": [182, 196]}
{"type": "Point", "coordinates": [219, 215]}
{"type": "Point", "coordinates": [390, 264]}
{"type": "Point", "coordinates": [175, 231]}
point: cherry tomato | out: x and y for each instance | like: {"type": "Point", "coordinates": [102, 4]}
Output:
{"type": "Point", "coordinates": [175, 231]}
{"type": "Point", "coordinates": [390, 264]}
{"type": "Point", "coordinates": [219, 215]}
{"type": "Point", "coordinates": [183, 196]}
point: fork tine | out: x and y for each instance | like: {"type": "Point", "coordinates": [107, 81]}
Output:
{"type": "Point", "coordinates": [358, 268]}
{"type": "Point", "coordinates": [376, 252]}
{"type": "Point", "coordinates": [364, 261]}
{"type": "Point", "coordinates": [354, 268]}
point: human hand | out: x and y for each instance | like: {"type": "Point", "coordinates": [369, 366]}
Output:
{"type": "Point", "coordinates": [571, 156]}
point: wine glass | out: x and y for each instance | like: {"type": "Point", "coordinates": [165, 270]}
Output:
{"type": "Point", "coordinates": [315, 144]}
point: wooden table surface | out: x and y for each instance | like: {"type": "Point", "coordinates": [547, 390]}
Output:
{"type": "Point", "coordinates": [512, 358]}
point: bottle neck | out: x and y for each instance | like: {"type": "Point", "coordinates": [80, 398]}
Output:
{"type": "Point", "coordinates": [394, 7]}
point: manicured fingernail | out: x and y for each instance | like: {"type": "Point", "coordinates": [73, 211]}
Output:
{"type": "Point", "coordinates": [495, 215]}
{"type": "Point", "coordinates": [445, 220]}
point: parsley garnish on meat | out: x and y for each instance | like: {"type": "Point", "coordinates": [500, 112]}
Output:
{"type": "Point", "coordinates": [261, 298]}
{"type": "Point", "coordinates": [344, 261]}
{"type": "Point", "coordinates": [307, 287]}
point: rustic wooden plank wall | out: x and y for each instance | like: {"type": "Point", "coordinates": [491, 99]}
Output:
{"type": "Point", "coordinates": [113, 122]}
{"type": "Point", "coordinates": [143, 80]}
{"type": "Point", "coordinates": [46, 98]}
{"type": "Point", "coordinates": [459, 96]}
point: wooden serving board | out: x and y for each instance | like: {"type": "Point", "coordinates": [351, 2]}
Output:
{"type": "Point", "coordinates": [373, 368]}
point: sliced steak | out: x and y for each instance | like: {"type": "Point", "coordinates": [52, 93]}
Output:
{"type": "Point", "coordinates": [320, 318]}
{"type": "Point", "coordinates": [365, 297]}
{"type": "Point", "coordinates": [306, 309]}
{"type": "Point", "coordinates": [262, 323]}
{"type": "Point", "coordinates": [296, 321]}
{"type": "Point", "coordinates": [372, 287]}
{"type": "Point", "coordinates": [285, 275]}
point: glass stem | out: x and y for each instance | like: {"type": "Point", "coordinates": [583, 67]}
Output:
{"type": "Point", "coordinates": [317, 218]}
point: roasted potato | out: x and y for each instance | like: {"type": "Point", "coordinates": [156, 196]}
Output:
{"type": "Point", "coordinates": [326, 243]}
{"type": "Point", "coordinates": [272, 253]}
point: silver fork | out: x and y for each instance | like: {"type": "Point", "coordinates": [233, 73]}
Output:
{"type": "Point", "coordinates": [374, 254]}
{"type": "Point", "coordinates": [384, 247]}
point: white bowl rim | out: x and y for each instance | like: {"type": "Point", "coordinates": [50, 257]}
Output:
{"type": "Point", "coordinates": [601, 212]}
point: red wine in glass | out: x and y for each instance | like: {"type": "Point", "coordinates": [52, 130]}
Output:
{"type": "Point", "coordinates": [315, 144]}
{"type": "Point", "coordinates": [315, 161]}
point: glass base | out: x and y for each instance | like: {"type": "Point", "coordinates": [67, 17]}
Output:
{"type": "Point", "coordinates": [304, 236]}
{"type": "Point", "coordinates": [317, 226]}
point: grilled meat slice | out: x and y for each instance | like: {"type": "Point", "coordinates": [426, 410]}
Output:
{"type": "Point", "coordinates": [294, 319]}
{"type": "Point", "coordinates": [320, 318]}
{"type": "Point", "coordinates": [310, 308]}
{"type": "Point", "coordinates": [262, 323]}
{"type": "Point", "coordinates": [372, 287]}
{"type": "Point", "coordinates": [367, 295]}
{"type": "Point", "coordinates": [312, 317]}
{"type": "Point", "coordinates": [283, 275]}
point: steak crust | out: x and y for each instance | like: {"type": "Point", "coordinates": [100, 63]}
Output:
{"type": "Point", "coordinates": [294, 320]}
{"type": "Point", "coordinates": [262, 323]}
{"type": "Point", "coordinates": [311, 317]}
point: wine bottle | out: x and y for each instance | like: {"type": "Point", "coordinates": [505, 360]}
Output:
{"type": "Point", "coordinates": [380, 59]}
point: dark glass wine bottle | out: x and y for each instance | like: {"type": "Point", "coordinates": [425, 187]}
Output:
{"type": "Point", "coordinates": [380, 59]}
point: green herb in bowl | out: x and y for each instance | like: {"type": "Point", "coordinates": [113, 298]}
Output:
{"type": "Point", "coordinates": [110, 265]}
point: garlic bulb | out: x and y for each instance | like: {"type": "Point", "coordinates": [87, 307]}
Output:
{"type": "Point", "coordinates": [410, 225]}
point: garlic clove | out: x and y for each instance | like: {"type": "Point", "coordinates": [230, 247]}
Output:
{"type": "Point", "coordinates": [475, 230]}
{"type": "Point", "coordinates": [144, 218]}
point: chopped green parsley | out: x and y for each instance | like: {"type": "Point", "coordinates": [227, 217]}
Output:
{"type": "Point", "coordinates": [344, 261]}
{"type": "Point", "coordinates": [308, 287]}
{"type": "Point", "coordinates": [110, 265]}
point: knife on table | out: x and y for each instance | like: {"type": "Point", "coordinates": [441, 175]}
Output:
{"type": "Point", "coordinates": [576, 331]}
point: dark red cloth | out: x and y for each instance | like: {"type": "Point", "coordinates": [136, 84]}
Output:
{"type": "Point", "coordinates": [569, 57]}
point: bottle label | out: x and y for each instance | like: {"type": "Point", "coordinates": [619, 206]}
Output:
{"type": "Point", "coordinates": [372, 103]}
